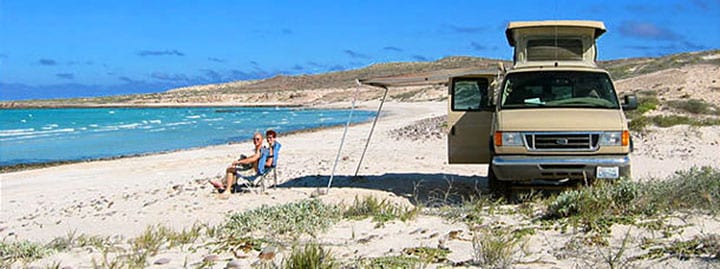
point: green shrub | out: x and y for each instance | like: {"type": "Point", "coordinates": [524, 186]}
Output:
{"type": "Point", "coordinates": [696, 188]}
{"type": "Point", "coordinates": [472, 210]}
{"type": "Point", "coordinates": [695, 106]}
{"type": "Point", "coordinates": [670, 120]}
{"type": "Point", "coordinates": [647, 103]}
{"type": "Point", "coordinates": [639, 123]}
{"type": "Point", "coordinates": [390, 262]}
{"type": "Point", "coordinates": [598, 207]}
{"type": "Point", "coordinates": [428, 255]}
{"type": "Point", "coordinates": [602, 198]}
{"type": "Point", "coordinates": [151, 239]}
{"type": "Point", "coordinates": [381, 211]}
{"type": "Point", "coordinates": [304, 217]}
{"type": "Point", "coordinates": [698, 246]}
{"type": "Point", "coordinates": [22, 250]}
{"type": "Point", "coordinates": [311, 256]}
{"type": "Point", "coordinates": [494, 248]}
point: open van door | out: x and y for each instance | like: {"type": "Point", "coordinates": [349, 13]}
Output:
{"type": "Point", "coordinates": [470, 113]}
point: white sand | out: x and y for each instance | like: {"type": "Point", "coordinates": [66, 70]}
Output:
{"type": "Point", "coordinates": [124, 196]}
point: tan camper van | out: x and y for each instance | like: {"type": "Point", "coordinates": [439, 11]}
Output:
{"type": "Point", "coordinates": [553, 117]}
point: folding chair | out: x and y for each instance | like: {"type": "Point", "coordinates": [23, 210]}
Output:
{"type": "Point", "coordinates": [253, 182]}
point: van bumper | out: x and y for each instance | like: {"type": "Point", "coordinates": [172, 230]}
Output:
{"type": "Point", "coordinates": [528, 168]}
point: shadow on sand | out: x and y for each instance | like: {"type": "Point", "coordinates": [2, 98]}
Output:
{"type": "Point", "coordinates": [425, 189]}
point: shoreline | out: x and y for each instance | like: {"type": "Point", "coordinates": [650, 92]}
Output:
{"type": "Point", "coordinates": [31, 166]}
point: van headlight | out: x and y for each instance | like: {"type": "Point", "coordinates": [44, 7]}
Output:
{"type": "Point", "coordinates": [621, 138]}
{"type": "Point", "coordinates": [508, 139]}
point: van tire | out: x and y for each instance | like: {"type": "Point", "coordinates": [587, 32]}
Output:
{"type": "Point", "coordinates": [498, 188]}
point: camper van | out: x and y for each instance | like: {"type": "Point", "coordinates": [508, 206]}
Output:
{"type": "Point", "coordinates": [552, 118]}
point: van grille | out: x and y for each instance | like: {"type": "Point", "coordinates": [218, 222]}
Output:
{"type": "Point", "coordinates": [561, 141]}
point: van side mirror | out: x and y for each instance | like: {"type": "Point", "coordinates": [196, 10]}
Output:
{"type": "Point", "coordinates": [630, 102]}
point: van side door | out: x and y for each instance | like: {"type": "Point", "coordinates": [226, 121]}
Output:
{"type": "Point", "coordinates": [470, 114]}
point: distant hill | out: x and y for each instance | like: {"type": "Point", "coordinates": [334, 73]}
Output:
{"type": "Point", "coordinates": [345, 79]}
{"type": "Point", "coordinates": [337, 86]}
{"type": "Point", "coordinates": [631, 67]}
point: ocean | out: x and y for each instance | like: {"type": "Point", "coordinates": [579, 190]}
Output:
{"type": "Point", "coordinates": [33, 136]}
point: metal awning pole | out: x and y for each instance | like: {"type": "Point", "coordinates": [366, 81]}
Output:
{"type": "Point", "coordinates": [371, 130]}
{"type": "Point", "coordinates": [342, 140]}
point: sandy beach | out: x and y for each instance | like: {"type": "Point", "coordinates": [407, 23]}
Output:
{"type": "Point", "coordinates": [124, 196]}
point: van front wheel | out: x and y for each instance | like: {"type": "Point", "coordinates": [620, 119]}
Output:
{"type": "Point", "coordinates": [498, 188]}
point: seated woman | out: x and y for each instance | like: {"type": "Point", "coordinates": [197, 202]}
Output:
{"type": "Point", "coordinates": [274, 149]}
{"type": "Point", "coordinates": [260, 156]}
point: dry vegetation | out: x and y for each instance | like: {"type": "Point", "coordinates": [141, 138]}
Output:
{"type": "Point", "coordinates": [620, 225]}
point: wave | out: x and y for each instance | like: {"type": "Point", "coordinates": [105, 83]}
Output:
{"type": "Point", "coordinates": [32, 134]}
{"type": "Point", "coordinates": [214, 119]}
{"type": "Point", "coordinates": [128, 126]}
{"type": "Point", "coordinates": [179, 123]}
{"type": "Point", "coordinates": [12, 132]}
{"type": "Point", "coordinates": [50, 126]}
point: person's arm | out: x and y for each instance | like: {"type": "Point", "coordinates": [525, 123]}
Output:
{"type": "Point", "coordinates": [250, 159]}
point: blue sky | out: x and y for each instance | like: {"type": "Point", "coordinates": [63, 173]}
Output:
{"type": "Point", "coordinates": [51, 49]}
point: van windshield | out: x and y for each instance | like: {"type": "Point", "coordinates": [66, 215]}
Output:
{"type": "Point", "coordinates": [558, 89]}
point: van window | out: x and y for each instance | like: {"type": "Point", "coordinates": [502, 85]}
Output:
{"type": "Point", "coordinates": [470, 94]}
{"type": "Point", "coordinates": [555, 50]}
{"type": "Point", "coordinates": [558, 89]}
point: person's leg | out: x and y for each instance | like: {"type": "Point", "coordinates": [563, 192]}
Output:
{"type": "Point", "coordinates": [230, 177]}
{"type": "Point", "coordinates": [228, 186]}
{"type": "Point", "coordinates": [220, 186]}
{"type": "Point", "coordinates": [230, 182]}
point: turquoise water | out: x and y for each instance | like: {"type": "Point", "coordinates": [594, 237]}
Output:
{"type": "Point", "coordinates": [30, 136]}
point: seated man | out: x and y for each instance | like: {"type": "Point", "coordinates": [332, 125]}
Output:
{"type": "Point", "coordinates": [257, 160]}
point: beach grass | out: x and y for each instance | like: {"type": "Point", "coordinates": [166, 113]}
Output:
{"type": "Point", "coordinates": [494, 247]}
{"type": "Point", "coordinates": [294, 219]}
{"type": "Point", "coordinates": [11, 252]}
{"type": "Point", "coordinates": [311, 255]}
{"type": "Point", "coordinates": [695, 106]}
{"type": "Point", "coordinates": [705, 245]}
{"type": "Point", "coordinates": [473, 210]}
{"type": "Point", "coordinates": [428, 255]}
{"type": "Point", "coordinates": [380, 211]}
{"type": "Point", "coordinates": [595, 209]}
{"type": "Point", "coordinates": [399, 261]}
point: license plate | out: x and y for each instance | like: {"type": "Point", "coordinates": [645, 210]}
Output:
{"type": "Point", "coordinates": [608, 172]}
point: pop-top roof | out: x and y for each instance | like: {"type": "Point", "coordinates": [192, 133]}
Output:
{"type": "Point", "coordinates": [597, 25]}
